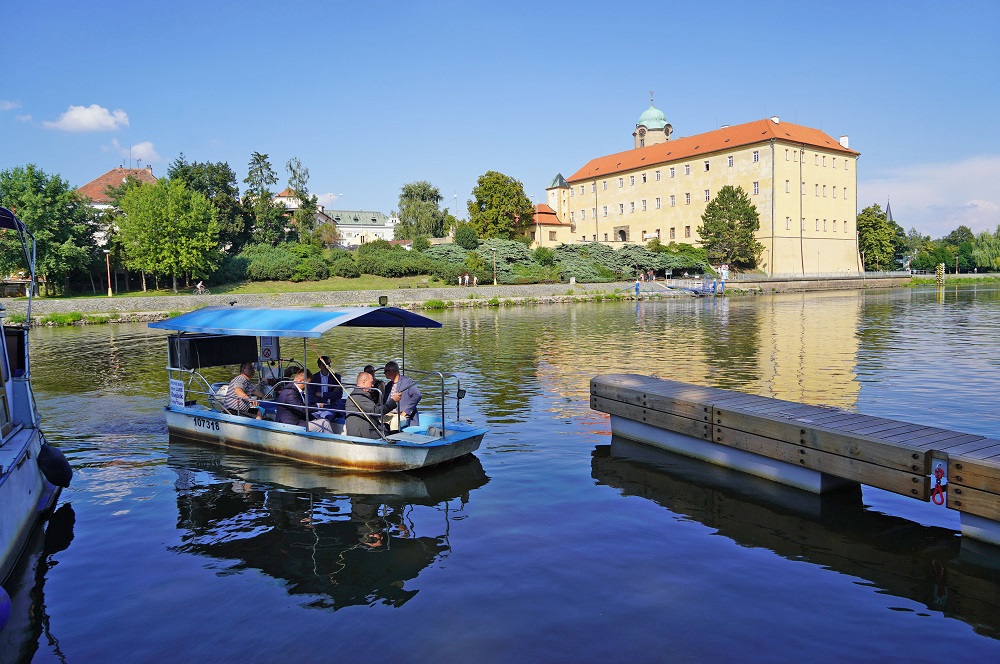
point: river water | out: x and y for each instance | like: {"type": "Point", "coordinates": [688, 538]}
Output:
{"type": "Point", "coordinates": [553, 543]}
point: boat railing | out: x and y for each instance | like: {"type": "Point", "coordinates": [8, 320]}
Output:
{"type": "Point", "coordinates": [442, 377]}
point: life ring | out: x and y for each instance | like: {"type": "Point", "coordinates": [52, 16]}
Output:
{"type": "Point", "coordinates": [54, 466]}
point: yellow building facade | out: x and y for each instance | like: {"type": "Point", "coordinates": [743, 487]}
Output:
{"type": "Point", "coordinates": [802, 182]}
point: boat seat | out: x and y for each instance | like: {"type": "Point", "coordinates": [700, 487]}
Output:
{"type": "Point", "coordinates": [217, 395]}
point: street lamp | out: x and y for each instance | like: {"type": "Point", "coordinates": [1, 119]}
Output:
{"type": "Point", "coordinates": [494, 265]}
{"type": "Point", "coordinates": [107, 259]}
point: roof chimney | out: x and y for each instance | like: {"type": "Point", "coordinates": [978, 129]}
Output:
{"type": "Point", "coordinates": [775, 119]}
{"type": "Point", "coordinates": [843, 142]}
{"type": "Point", "coordinates": [149, 167]}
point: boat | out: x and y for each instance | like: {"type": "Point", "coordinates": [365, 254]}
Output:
{"type": "Point", "coordinates": [225, 336]}
{"type": "Point", "coordinates": [32, 472]}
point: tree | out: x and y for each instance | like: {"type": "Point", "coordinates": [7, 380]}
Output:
{"type": "Point", "coordinates": [986, 249]}
{"type": "Point", "coordinates": [327, 235]}
{"type": "Point", "coordinates": [304, 216]}
{"type": "Point", "coordinates": [729, 226]}
{"type": "Point", "coordinates": [466, 237]}
{"type": "Point", "coordinates": [875, 238]}
{"type": "Point", "coordinates": [265, 216]}
{"type": "Point", "coordinates": [499, 208]}
{"type": "Point", "coordinates": [216, 182]}
{"type": "Point", "coordinates": [420, 212]}
{"type": "Point", "coordinates": [62, 223]}
{"type": "Point", "coordinates": [167, 229]}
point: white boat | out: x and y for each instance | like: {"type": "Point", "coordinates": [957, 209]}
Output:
{"type": "Point", "coordinates": [32, 473]}
{"type": "Point", "coordinates": [222, 336]}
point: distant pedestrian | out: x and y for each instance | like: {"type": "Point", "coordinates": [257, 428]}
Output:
{"type": "Point", "coordinates": [475, 280]}
{"type": "Point", "coordinates": [637, 288]}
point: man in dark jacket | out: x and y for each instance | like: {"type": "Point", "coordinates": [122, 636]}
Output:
{"type": "Point", "coordinates": [364, 416]}
{"type": "Point", "coordinates": [292, 405]}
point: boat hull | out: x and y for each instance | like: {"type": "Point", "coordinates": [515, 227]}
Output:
{"type": "Point", "coordinates": [25, 494]}
{"type": "Point", "coordinates": [402, 452]}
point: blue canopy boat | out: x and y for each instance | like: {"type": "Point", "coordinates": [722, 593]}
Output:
{"type": "Point", "coordinates": [32, 473]}
{"type": "Point", "coordinates": [223, 336]}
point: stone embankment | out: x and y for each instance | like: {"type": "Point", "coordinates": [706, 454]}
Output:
{"type": "Point", "coordinates": [140, 309]}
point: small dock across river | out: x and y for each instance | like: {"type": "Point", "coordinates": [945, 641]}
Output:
{"type": "Point", "coordinates": [815, 448]}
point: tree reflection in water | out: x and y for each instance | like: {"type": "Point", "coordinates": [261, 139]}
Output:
{"type": "Point", "coordinates": [344, 538]}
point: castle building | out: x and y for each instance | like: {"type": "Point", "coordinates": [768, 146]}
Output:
{"type": "Point", "coordinates": [802, 182]}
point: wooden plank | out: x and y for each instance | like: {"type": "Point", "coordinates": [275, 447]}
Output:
{"type": "Point", "coordinates": [684, 425]}
{"type": "Point", "coordinates": [973, 501]}
{"type": "Point", "coordinates": [906, 433]}
{"type": "Point", "coordinates": [905, 483]}
{"type": "Point", "coordinates": [966, 442]}
{"type": "Point", "coordinates": [634, 392]}
{"type": "Point", "coordinates": [879, 429]}
{"type": "Point", "coordinates": [933, 440]}
{"type": "Point", "coordinates": [839, 423]}
{"type": "Point", "coordinates": [896, 457]}
{"type": "Point", "coordinates": [980, 474]}
{"type": "Point", "coordinates": [982, 453]}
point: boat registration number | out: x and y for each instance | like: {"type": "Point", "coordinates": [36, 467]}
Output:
{"type": "Point", "coordinates": [206, 424]}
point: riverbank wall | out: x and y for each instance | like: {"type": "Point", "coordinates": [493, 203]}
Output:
{"type": "Point", "coordinates": [141, 309]}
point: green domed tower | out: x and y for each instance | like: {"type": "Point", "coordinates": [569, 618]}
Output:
{"type": "Point", "coordinates": [652, 127]}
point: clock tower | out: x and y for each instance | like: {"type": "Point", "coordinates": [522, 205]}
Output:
{"type": "Point", "coordinates": [652, 127]}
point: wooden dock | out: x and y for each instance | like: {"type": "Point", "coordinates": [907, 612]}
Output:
{"type": "Point", "coordinates": [816, 448]}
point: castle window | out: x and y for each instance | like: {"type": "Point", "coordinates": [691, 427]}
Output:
{"type": "Point", "coordinates": [552, 236]}
{"type": "Point", "coordinates": [788, 223]}
{"type": "Point", "coordinates": [795, 156]}
{"type": "Point", "coordinates": [644, 205]}
{"type": "Point", "coordinates": [687, 199]}
{"type": "Point", "coordinates": [581, 190]}
{"type": "Point", "coordinates": [786, 154]}
{"type": "Point", "coordinates": [571, 219]}
{"type": "Point", "coordinates": [756, 156]}
{"type": "Point", "coordinates": [621, 208]}
{"type": "Point", "coordinates": [824, 225]}
{"type": "Point", "coordinates": [631, 180]}
{"type": "Point", "coordinates": [834, 160]}
{"type": "Point", "coordinates": [593, 187]}
{"type": "Point", "coordinates": [815, 160]}
{"type": "Point", "coordinates": [673, 233]}
{"type": "Point", "coordinates": [605, 210]}
{"type": "Point", "coordinates": [803, 189]}
{"type": "Point", "coordinates": [657, 202]}
{"type": "Point", "coordinates": [671, 171]}
{"type": "Point", "coordinates": [605, 237]}
{"type": "Point", "coordinates": [621, 182]}
{"type": "Point", "coordinates": [824, 161]}
{"type": "Point", "coordinates": [803, 225]}
{"type": "Point", "coordinates": [787, 190]}
{"type": "Point", "coordinates": [817, 224]}
{"type": "Point", "coordinates": [631, 207]}
{"type": "Point", "coordinates": [756, 187]}
{"type": "Point", "coordinates": [817, 191]}
{"type": "Point", "coordinates": [657, 176]}
{"type": "Point", "coordinates": [824, 191]}
{"type": "Point", "coordinates": [642, 142]}
{"type": "Point", "coordinates": [706, 165]}
{"type": "Point", "coordinates": [687, 231]}
{"type": "Point", "coordinates": [583, 214]}
{"type": "Point", "coordinates": [644, 178]}
{"type": "Point", "coordinates": [571, 192]}
{"type": "Point", "coordinates": [731, 160]}
{"type": "Point", "coordinates": [604, 185]}
{"type": "Point", "coordinates": [687, 169]}
{"type": "Point", "coordinates": [594, 212]}
{"type": "Point", "coordinates": [834, 225]}
{"type": "Point", "coordinates": [708, 197]}
{"type": "Point", "coordinates": [673, 200]}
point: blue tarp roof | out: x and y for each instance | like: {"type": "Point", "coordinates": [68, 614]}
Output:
{"type": "Point", "coordinates": [289, 321]}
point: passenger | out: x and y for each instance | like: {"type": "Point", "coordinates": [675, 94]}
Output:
{"type": "Point", "coordinates": [408, 392]}
{"type": "Point", "coordinates": [292, 405]}
{"type": "Point", "coordinates": [381, 395]}
{"type": "Point", "coordinates": [364, 415]}
{"type": "Point", "coordinates": [325, 391]}
{"type": "Point", "coordinates": [239, 398]}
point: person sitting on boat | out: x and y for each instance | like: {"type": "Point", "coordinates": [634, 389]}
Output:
{"type": "Point", "coordinates": [364, 415]}
{"type": "Point", "coordinates": [292, 405]}
{"type": "Point", "coordinates": [408, 391]}
{"type": "Point", "coordinates": [240, 397]}
{"type": "Point", "coordinates": [381, 395]}
{"type": "Point", "coordinates": [325, 391]}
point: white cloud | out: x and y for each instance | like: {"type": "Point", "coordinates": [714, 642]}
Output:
{"type": "Point", "coordinates": [137, 152]}
{"type": "Point", "coordinates": [23, 118]}
{"type": "Point", "coordinates": [89, 118]}
{"type": "Point", "coordinates": [938, 198]}
{"type": "Point", "coordinates": [7, 105]}
{"type": "Point", "coordinates": [328, 200]}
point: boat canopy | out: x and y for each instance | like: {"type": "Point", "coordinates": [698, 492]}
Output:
{"type": "Point", "coordinates": [290, 321]}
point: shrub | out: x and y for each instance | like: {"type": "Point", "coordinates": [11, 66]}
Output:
{"type": "Point", "coordinates": [421, 243]}
{"type": "Point", "coordinates": [265, 262]}
{"type": "Point", "coordinates": [544, 256]}
{"type": "Point", "coordinates": [16, 318]}
{"type": "Point", "coordinates": [311, 269]}
{"type": "Point", "coordinates": [434, 304]}
{"type": "Point", "coordinates": [63, 319]}
{"type": "Point", "coordinates": [466, 237]}
{"type": "Point", "coordinates": [96, 319]}
{"type": "Point", "coordinates": [448, 253]}
{"type": "Point", "coordinates": [345, 267]}
{"type": "Point", "coordinates": [232, 269]}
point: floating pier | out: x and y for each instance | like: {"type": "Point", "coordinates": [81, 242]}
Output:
{"type": "Point", "coordinates": [814, 448]}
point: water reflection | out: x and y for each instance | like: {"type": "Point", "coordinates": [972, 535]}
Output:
{"type": "Point", "coordinates": [29, 617]}
{"type": "Point", "coordinates": [345, 539]}
{"type": "Point", "coordinates": [925, 564]}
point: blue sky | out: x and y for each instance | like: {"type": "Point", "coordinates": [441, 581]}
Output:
{"type": "Point", "coordinates": [372, 95]}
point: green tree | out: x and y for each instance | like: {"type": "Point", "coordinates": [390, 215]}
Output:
{"type": "Point", "coordinates": [729, 226]}
{"type": "Point", "coordinates": [466, 237]}
{"type": "Point", "coordinates": [216, 182]}
{"type": "Point", "coordinates": [265, 216]}
{"type": "Point", "coordinates": [169, 230]}
{"type": "Point", "coordinates": [420, 212]}
{"type": "Point", "coordinates": [499, 208]}
{"type": "Point", "coordinates": [986, 249]}
{"type": "Point", "coordinates": [63, 224]}
{"type": "Point", "coordinates": [307, 205]}
{"type": "Point", "coordinates": [876, 238]}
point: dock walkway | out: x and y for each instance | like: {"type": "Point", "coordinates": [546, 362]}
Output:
{"type": "Point", "coordinates": [816, 448]}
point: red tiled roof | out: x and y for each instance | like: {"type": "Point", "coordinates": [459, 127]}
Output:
{"type": "Point", "coordinates": [727, 138]}
{"type": "Point", "coordinates": [287, 193]}
{"type": "Point", "coordinates": [546, 216]}
{"type": "Point", "coordinates": [97, 190]}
